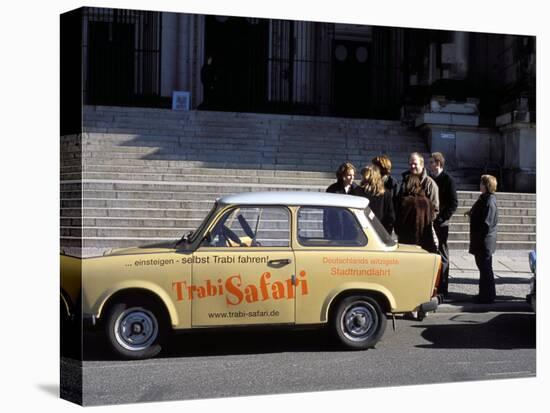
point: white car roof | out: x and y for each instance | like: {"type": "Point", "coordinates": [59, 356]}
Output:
{"type": "Point", "coordinates": [295, 198]}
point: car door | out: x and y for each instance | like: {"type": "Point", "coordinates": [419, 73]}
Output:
{"type": "Point", "coordinates": [244, 270]}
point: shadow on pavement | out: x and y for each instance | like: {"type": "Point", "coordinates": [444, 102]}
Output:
{"type": "Point", "coordinates": [503, 332]}
{"type": "Point", "coordinates": [225, 342]}
{"type": "Point", "coordinates": [498, 280]}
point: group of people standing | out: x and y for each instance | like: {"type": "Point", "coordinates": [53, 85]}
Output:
{"type": "Point", "coordinates": [420, 207]}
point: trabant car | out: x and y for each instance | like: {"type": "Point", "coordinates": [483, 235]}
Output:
{"type": "Point", "coordinates": [265, 258]}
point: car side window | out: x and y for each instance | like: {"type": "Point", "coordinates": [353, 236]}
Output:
{"type": "Point", "coordinates": [251, 227]}
{"type": "Point", "coordinates": [330, 227]}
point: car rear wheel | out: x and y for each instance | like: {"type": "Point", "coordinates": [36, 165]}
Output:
{"type": "Point", "coordinates": [135, 330]}
{"type": "Point", "coordinates": [358, 322]}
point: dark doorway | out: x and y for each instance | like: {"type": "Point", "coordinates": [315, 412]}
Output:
{"type": "Point", "coordinates": [122, 54]}
{"type": "Point", "coordinates": [350, 78]}
{"type": "Point", "coordinates": [110, 62]}
{"type": "Point", "coordinates": [236, 79]}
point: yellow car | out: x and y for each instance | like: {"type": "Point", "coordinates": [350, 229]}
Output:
{"type": "Point", "coordinates": [258, 258]}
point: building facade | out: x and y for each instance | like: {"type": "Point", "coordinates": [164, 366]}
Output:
{"type": "Point", "coordinates": [458, 88]}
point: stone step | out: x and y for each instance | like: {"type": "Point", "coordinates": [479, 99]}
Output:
{"type": "Point", "coordinates": [211, 187]}
{"type": "Point", "coordinates": [501, 203]}
{"type": "Point", "coordinates": [500, 195]}
{"type": "Point", "coordinates": [141, 199]}
{"type": "Point", "coordinates": [502, 219]}
{"type": "Point", "coordinates": [455, 245]}
{"type": "Point", "coordinates": [224, 187]}
{"type": "Point", "coordinates": [141, 222]}
{"type": "Point", "coordinates": [99, 232]}
{"type": "Point", "coordinates": [193, 215]}
{"type": "Point", "coordinates": [293, 160]}
{"type": "Point", "coordinates": [192, 203]}
{"type": "Point", "coordinates": [127, 167]}
{"type": "Point", "coordinates": [233, 179]}
{"type": "Point", "coordinates": [94, 159]}
{"type": "Point", "coordinates": [126, 231]}
{"type": "Point", "coordinates": [502, 227]}
{"type": "Point", "coordinates": [155, 232]}
{"type": "Point", "coordinates": [501, 236]}
{"type": "Point", "coordinates": [191, 222]}
{"type": "Point", "coordinates": [136, 203]}
{"type": "Point", "coordinates": [115, 113]}
{"type": "Point", "coordinates": [340, 144]}
{"type": "Point", "coordinates": [505, 211]}
{"type": "Point", "coordinates": [178, 170]}
{"type": "Point", "coordinates": [121, 242]}
{"type": "Point", "coordinates": [322, 128]}
{"type": "Point", "coordinates": [211, 136]}
{"type": "Point", "coordinates": [214, 189]}
{"type": "Point", "coordinates": [151, 213]}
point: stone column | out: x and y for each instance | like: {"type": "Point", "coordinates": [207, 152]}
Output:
{"type": "Point", "coordinates": [182, 54]}
{"type": "Point", "coordinates": [519, 141]}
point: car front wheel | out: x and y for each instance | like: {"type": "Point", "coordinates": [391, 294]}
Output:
{"type": "Point", "coordinates": [135, 331]}
{"type": "Point", "coordinates": [358, 322]}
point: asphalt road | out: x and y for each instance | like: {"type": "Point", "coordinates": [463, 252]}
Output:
{"type": "Point", "coordinates": [443, 348]}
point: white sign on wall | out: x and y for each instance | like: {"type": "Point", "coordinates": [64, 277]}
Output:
{"type": "Point", "coordinates": [180, 100]}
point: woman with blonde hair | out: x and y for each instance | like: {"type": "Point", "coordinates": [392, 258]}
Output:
{"type": "Point", "coordinates": [383, 163]}
{"type": "Point", "coordinates": [483, 237]}
{"type": "Point", "coordinates": [380, 200]}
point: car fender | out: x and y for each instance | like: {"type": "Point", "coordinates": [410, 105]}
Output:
{"type": "Point", "coordinates": [355, 287]}
{"type": "Point", "coordinates": [99, 306]}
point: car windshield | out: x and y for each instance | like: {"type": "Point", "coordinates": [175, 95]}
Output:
{"type": "Point", "coordinates": [204, 222]}
{"type": "Point", "coordinates": [379, 228]}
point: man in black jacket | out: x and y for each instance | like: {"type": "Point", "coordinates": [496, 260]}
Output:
{"type": "Point", "coordinates": [448, 202]}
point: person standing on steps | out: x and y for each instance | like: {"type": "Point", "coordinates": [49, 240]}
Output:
{"type": "Point", "coordinates": [344, 180]}
{"type": "Point", "coordinates": [448, 203]}
{"type": "Point", "coordinates": [383, 163]}
{"type": "Point", "coordinates": [380, 199]}
{"type": "Point", "coordinates": [334, 222]}
{"type": "Point", "coordinates": [210, 78]}
{"type": "Point", "coordinates": [429, 187]}
{"type": "Point", "coordinates": [483, 237]}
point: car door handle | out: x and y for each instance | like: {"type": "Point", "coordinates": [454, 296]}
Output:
{"type": "Point", "coordinates": [279, 263]}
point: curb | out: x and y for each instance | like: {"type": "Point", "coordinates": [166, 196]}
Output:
{"type": "Point", "coordinates": [469, 307]}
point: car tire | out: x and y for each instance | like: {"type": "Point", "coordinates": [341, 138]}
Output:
{"type": "Point", "coordinates": [135, 330]}
{"type": "Point", "coordinates": [358, 322]}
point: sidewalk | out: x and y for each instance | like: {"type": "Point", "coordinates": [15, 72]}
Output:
{"type": "Point", "coordinates": [512, 276]}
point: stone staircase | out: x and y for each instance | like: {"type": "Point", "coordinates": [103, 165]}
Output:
{"type": "Point", "coordinates": [138, 175]}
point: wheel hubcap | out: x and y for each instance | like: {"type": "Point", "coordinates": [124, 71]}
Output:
{"type": "Point", "coordinates": [359, 321]}
{"type": "Point", "coordinates": [136, 329]}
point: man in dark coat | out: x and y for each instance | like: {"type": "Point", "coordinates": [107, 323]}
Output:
{"type": "Point", "coordinates": [416, 167]}
{"type": "Point", "coordinates": [483, 237]}
{"type": "Point", "coordinates": [448, 202]}
{"type": "Point", "coordinates": [414, 216]}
